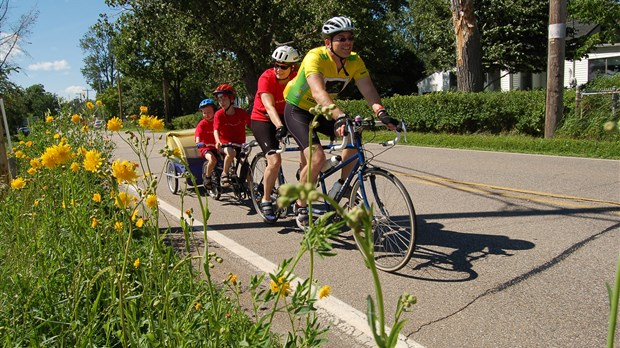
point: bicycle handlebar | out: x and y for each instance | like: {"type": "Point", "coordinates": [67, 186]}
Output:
{"type": "Point", "coordinates": [353, 125]}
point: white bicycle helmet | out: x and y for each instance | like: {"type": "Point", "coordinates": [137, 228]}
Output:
{"type": "Point", "coordinates": [336, 25]}
{"type": "Point", "coordinates": [286, 54]}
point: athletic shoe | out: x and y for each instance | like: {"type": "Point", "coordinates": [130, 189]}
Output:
{"type": "Point", "coordinates": [267, 209]}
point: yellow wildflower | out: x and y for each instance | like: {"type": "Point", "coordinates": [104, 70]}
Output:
{"type": "Point", "coordinates": [20, 154]}
{"type": "Point", "coordinates": [157, 124]}
{"type": "Point", "coordinates": [76, 118]}
{"type": "Point", "coordinates": [124, 171]}
{"type": "Point", "coordinates": [75, 167]}
{"type": "Point", "coordinates": [94, 223]}
{"type": "Point", "coordinates": [151, 201]}
{"type": "Point", "coordinates": [325, 291]}
{"type": "Point", "coordinates": [49, 119]}
{"type": "Point", "coordinates": [145, 121]}
{"type": "Point", "coordinates": [36, 163]}
{"type": "Point", "coordinates": [85, 129]}
{"type": "Point", "coordinates": [198, 306]}
{"type": "Point", "coordinates": [90, 105]}
{"type": "Point", "coordinates": [99, 103]}
{"type": "Point", "coordinates": [28, 143]}
{"type": "Point", "coordinates": [136, 263]}
{"type": "Point", "coordinates": [232, 278]}
{"type": "Point", "coordinates": [18, 183]}
{"type": "Point", "coordinates": [144, 109]}
{"type": "Point", "coordinates": [31, 171]}
{"type": "Point", "coordinates": [124, 200]}
{"type": "Point", "coordinates": [281, 287]}
{"type": "Point", "coordinates": [118, 226]}
{"type": "Point", "coordinates": [97, 197]}
{"type": "Point", "coordinates": [36, 203]}
{"type": "Point", "coordinates": [115, 124]}
{"type": "Point", "coordinates": [140, 223]}
{"type": "Point", "coordinates": [56, 136]}
{"type": "Point", "coordinates": [56, 155]}
{"type": "Point", "coordinates": [92, 160]}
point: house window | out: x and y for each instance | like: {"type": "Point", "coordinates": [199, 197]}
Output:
{"type": "Point", "coordinates": [603, 66]}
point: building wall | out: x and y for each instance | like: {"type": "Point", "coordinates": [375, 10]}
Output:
{"type": "Point", "coordinates": [577, 69]}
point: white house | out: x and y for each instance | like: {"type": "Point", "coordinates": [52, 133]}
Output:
{"type": "Point", "coordinates": [605, 60]}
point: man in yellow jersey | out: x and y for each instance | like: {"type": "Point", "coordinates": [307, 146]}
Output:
{"type": "Point", "coordinates": [324, 72]}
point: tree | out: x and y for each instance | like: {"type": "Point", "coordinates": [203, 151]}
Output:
{"type": "Point", "coordinates": [38, 102]}
{"type": "Point", "coordinates": [605, 14]}
{"type": "Point", "coordinates": [12, 34]}
{"type": "Point", "coordinates": [469, 72]}
{"type": "Point", "coordinates": [100, 63]}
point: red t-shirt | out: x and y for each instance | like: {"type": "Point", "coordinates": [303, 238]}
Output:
{"type": "Point", "coordinates": [204, 131]}
{"type": "Point", "coordinates": [231, 128]}
{"type": "Point", "coordinates": [267, 83]}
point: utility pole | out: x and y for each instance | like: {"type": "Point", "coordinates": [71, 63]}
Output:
{"type": "Point", "coordinates": [87, 90]}
{"type": "Point", "coordinates": [555, 66]}
{"type": "Point", "coordinates": [4, 161]}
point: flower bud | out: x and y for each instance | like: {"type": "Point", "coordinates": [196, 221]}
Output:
{"type": "Point", "coordinates": [313, 196]}
{"type": "Point", "coordinates": [288, 190]}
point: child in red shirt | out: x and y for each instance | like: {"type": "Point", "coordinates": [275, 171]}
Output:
{"type": "Point", "coordinates": [229, 127]}
{"type": "Point", "coordinates": [205, 140]}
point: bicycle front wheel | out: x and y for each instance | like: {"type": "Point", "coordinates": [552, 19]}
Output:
{"type": "Point", "coordinates": [393, 223]}
{"type": "Point", "coordinates": [257, 172]}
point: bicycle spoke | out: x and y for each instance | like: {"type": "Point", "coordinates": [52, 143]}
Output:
{"type": "Point", "coordinates": [393, 218]}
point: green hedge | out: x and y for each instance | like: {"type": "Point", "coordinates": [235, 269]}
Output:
{"type": "Point", "coordinates": [520, 112]}
{"type": "Point", "coordinates": [515, 112]}
{"type": "Point", "coordinates": [186, 122]}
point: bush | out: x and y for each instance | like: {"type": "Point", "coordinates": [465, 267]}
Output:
{"type": "Point", "coordinates": [186, 122]}
{"type": "Point", "coordinates": [520, 112]}
{"type": "Point", "coordinates": [514, 112]}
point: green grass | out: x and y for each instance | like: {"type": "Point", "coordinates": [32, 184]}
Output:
{"type": "Point", "coordinates": [508, 143]}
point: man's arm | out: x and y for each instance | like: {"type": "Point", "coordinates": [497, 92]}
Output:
{"type": "Point", "coordinates": [368, 90]}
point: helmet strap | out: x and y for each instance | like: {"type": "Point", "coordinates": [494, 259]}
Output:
{"type": "Point", "coordinates": [342, 59]}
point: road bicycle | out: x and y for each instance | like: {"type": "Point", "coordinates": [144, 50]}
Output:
{"type": "Point", "coordinates": [238, 174]}
{"type": "Point", "coordinates": [394, 219]}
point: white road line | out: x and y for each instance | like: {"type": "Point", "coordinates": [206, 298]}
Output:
{"type": "Point", "coordinates": [343, 316]}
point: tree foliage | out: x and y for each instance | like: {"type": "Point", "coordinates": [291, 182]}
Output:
{"type": "Point", "coordinates": [100, 62]}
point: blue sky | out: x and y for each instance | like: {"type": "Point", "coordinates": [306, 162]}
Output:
{"type": "Point", "coordinates": [54, 57]}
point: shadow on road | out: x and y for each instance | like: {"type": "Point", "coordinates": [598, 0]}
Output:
{"type": "Point", "coordinates": [447, 256]}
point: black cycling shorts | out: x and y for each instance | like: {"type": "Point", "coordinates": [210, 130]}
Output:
{"type": "Point", "coordinates": [265, 135]}
{"type": "Point", "coordinates": [298, 124]}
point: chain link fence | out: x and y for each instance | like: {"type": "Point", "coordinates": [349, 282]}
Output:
{"type": "Point", "coordinates": [604, 103]}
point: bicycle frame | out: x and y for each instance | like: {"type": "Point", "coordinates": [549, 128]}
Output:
{"type": "Point", "coordinates": [354, 128]}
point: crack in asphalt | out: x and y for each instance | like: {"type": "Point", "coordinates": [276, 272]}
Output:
{"type": "Point", "coordinates": [516, 280]}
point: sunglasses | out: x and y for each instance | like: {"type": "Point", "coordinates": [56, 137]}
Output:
{"type": "Point", "coordinates": [282, 66]}
{"type": "Point", "coordinates": [343, 39]}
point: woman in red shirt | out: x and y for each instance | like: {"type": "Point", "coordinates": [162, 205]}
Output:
{"type": "Point", "coordinates": [268, 120]}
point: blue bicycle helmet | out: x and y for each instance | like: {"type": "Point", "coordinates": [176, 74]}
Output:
{"type": "Point", "coordinates": [206, 102]}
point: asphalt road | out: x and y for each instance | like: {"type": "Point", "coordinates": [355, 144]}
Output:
{"type": "Point", "coordinates": [513, 250]}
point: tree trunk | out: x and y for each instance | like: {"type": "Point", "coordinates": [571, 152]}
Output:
{"type": "Point", "coordinates": [469, 74]}
{"type": "Point", "coordinates": [166, 88]}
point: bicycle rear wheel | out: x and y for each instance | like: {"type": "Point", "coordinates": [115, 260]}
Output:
{"type": "Point", "coordinates": [171, 176]}
{"type": "Point", "coordinates": [394, 225]}
{"type": "Point", "coordinates": [257, 170]}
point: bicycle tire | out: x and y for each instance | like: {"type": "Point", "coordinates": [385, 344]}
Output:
{"type": "Point", "coordinates": [171, 179]}
{"type": "Point", "coordinates": [394, 218]}
{"type": "Point", "coordinates": [257, 172]}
